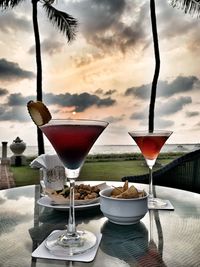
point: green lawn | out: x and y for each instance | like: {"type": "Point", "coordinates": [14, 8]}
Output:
{"type": "Point", "coordinates": [112, 170]}
{"type": "Point", "coordinates": [25, 175]}
{"type": "Point", "coordinates": [109, 169]}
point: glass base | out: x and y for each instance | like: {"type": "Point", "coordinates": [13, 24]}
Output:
{"type": "Point", "coordinates": [156, 203]}
{"type": "Point", "coordinates": [62, 243]}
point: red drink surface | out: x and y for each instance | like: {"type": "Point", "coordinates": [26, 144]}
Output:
{"type": "Point", "coordinates": [72, 142]}
{"type": "Point", "coordinates": [150, 146]}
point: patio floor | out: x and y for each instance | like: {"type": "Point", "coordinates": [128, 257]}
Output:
{"type": "Point", "coordinates": [6, 177]}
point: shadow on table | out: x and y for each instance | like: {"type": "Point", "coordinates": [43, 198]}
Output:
{"type": "Point", "coordinates": [131, 244]}
{"type": "Point", "coordinates": [48, 220]}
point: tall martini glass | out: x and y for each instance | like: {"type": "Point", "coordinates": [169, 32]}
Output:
{"type": "Point", "coordinates": [72, 140]}
{"type": "Point", "coordinates": [150, 144]}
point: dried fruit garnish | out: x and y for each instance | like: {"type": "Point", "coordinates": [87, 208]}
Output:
{"type": "Point", "coordinates": [39, 112]}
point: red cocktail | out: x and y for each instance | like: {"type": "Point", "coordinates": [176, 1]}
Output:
{"type": "Point", "coordinates": [72, 140]}
{"type": "Point", "coordinates": [150, 145]}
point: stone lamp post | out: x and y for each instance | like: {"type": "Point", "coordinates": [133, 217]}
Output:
{"type": "Point", "coordinates": [18, 147]}
{"type": "Point", "coordinates": [4, 160]}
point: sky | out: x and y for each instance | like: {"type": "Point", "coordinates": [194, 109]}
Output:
{"type": "Point", "coordinates": [106, 72]}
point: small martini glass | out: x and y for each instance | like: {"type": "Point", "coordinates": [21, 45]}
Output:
{"type": "Point", "coordinates": [150, 144]}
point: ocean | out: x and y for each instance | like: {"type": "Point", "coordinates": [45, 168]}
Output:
{"type": "Point", "coordinates": [108, 149]}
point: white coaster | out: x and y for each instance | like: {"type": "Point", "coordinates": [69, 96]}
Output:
{"type": "Point", "coordinates": [168, 206]}
{"type": "Point", "coordinates": [43, 253]}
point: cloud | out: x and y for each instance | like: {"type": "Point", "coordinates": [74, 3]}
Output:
{"type": "Point", "coordinates": [142, 91]}
{"type": "Point", "coordinates": [17, 99]}
{"type": "Point", "coordinates": [110, 26]}
{"type": "Point", "coordinates": [101, 15]}
{"type": "Point", "coordinates": [3, 92]}
{"type": "Point", "coordinates": [138, 115]}
{"type": "Point", "coordinates": [80, 102]}
{"type": "Point", "coordinates": [173, 23]}
{"type": "Point", "coordinates": [190, 114]}
{"type": "Point", "coordinates": [16, 113]}
{"type": "Point", "coordinates": [10, 22]}
{"type": "Point", "coordinates": [159, 123]}
{"type": "Point", "coordinates": [12, 71]}
{"type": "Point", "coordinates": [15, 107]}
{"type": "Point", "coordinates": [179, 85]}
{"type": "Point", "coordinates": [80, 61]}
{"type": "Point", "coordinates": [163, 123]}
{"type": "Point", "coordinates": [11, 220]}
{"type": "Point", "coordinates": [172, 106]}
{"type": "Point", "coordinates": [49, 46]}
{"type": "Point", "coordinates": [112, 119]}
{"type": "Point", "coordinates": [110, 92]}
{"type": "Point", "coordinates": [162, 110]}
{"type": "Point", "coordinates": [99, 91]}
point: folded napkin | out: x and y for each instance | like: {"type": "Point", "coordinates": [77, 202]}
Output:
{"type": "Point", "coordinates": [46, 161]}
{"type": "Point", "coordinates": [52, 171]}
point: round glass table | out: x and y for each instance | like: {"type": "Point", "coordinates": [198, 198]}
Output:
{"type": "Point", "coordinates": [162, 238]}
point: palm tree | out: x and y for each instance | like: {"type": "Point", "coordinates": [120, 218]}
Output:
{"type": "Point", "coordinates": [157, 65]}
{"type": "Point", "coordinates": [63, 21]}
{"type": "Point", "coordinates": [189, 6]}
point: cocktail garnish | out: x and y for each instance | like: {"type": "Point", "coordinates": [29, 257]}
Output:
{"type": "Point", "coordinates": [39, 112]}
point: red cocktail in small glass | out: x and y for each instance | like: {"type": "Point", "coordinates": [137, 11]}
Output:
{"type": "Point", "coordinates": [150, 144]}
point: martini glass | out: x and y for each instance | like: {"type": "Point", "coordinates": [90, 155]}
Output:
{"type": "Point", "coordinates": [72, 140]}
{"type": "Point", "coordinates": [150, 144]}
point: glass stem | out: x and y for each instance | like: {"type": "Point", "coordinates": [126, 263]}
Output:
{"type": "Point", "coordinates": [71, 221]}
{"type": "Point", "coordinates": [151, 196]}
{"type": "Point", "coordinates": [151, 225]}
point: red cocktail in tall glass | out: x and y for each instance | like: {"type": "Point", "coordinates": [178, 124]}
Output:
{"type": "Point", "coordinates": [150, 144]}
{"type": "Point", "coordinates": [72, 140]}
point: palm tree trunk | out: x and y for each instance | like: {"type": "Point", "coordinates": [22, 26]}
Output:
{"type": "Point", "coordinates": [157, 66]}
{"type": "Point", "coordinates": [39, 72]}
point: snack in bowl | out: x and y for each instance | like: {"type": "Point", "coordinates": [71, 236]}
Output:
{"type": "Point", "coordinates": [83, 194]}
{"type": "Point", "coordinates": [123, 207]}
{"type": "Point", "coordinates": [127, 192]}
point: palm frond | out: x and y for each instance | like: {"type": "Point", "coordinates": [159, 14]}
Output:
{"type": "Point", "coordinates": [63, 21]}
{"type": "Point", "coordinates": [9, 3]}
{"type": "Point", "coordinates": [189, 6]}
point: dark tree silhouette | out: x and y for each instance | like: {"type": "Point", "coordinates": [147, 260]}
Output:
{"type": "Point", "coordinates": [189, 6]}
{"type": "Point", "coordinates": [63, 21]}
{"type": "Point", "coordinates": [157, 65]}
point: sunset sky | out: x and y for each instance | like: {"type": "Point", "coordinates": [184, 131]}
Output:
{"type": "Point", "coordinates": [106, 73]}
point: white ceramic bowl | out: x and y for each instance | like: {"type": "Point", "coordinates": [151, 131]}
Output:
{"type": "Point", "coordinates": [123, 211]}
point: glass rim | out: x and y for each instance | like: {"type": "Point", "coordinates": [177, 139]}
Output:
{"type": "Point", "coordinates": [75, 122]}
{"type": "Point", "coordinates": [146, 132]}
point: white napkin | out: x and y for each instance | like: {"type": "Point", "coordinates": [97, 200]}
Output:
{"type": "Point", "coordinates": [168, 206]}
{"type": "Point", "coordinates": [52, 171]}
{"type": "Point", "coordinates": [46, 161]}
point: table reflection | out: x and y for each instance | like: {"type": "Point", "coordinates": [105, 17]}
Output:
{"type": "Point", "coordinates": [134, 244]}
{"type": "Point", "coordinates": [160, 239]}
{"type": "Point", "coordinates": [127, 242]}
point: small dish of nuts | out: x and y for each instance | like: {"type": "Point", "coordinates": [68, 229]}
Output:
{"type": "Point", "coordinates": [83, 194]}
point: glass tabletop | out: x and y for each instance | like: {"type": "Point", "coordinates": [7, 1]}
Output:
{"type": "Point", "coordinates": [162, 238]}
